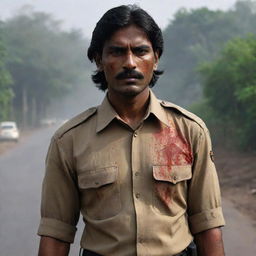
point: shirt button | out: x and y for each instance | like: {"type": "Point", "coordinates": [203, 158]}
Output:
{"type": "Point", "coordinates": [137, 173]}
{"type": "Point", "coordinates": [175, 177]}
{"type": "Point", "coordinates": [140, 240]}
{"type": "Point", "coordinates": [137, 195]}
{"type": "Point", "coordinates": [135, 134]}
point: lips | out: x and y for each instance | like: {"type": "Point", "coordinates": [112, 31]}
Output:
{"type": "Point", "coordinates": [130, 78]}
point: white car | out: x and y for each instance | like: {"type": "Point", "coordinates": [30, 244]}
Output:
{"type": "Point", "coordinates": [9, 131]}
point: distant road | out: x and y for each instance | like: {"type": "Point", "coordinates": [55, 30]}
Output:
{"type": "Point", "coordinates": [21, 174]}
{"type": "Point", "coordinates": [239, 232]}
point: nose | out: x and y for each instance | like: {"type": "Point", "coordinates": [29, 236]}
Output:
{"type": "Point", "coordinates": [129, 61]}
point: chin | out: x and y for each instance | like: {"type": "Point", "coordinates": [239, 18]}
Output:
{"type": "Point", "coordinates": [132, 90]}
{"type": "Point", "coordinates": [127, 89]}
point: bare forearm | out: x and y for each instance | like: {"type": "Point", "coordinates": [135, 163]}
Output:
{"type": "Point", "coordinates": [209, 243]}
{"type": "Point", "coordinates": [53, 247]}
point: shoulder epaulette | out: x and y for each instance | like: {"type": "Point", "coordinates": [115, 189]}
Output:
{"type": "Point", "coordinates": [75, 121]}
{"type": "Point", "coordinates": [185, 112]}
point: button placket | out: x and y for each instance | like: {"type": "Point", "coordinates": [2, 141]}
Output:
{"type": "Point", "coordinates": [137, 186]}
{"type": "Point", "coordinates": [135, 162]}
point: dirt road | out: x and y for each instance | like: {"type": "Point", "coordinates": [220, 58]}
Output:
{"type": "Point", "coordinates": [239, 232]}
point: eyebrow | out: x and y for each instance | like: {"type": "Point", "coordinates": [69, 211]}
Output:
{"type": "Point", "coordinates": [116, 47]}
{"type": "Point", "coordinates": [143, 46]}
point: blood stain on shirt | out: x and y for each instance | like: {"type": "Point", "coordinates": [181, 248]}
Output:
{"type": "Point", "coordinates": [170, 149]}
{"type": "Point", "coordinates": [164, 192]}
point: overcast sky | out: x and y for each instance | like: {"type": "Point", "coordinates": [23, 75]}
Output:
{"type": "Point", "coordinates": [84, 14]}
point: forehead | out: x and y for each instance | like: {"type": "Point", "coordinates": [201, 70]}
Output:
{"type": "Point", "coordinates": [129, 35]}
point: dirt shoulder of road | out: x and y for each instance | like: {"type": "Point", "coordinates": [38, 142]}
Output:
{"type": "Point", "coordinates": [236, 170]}
{"type": "Point", "coordinates": [237, 175]}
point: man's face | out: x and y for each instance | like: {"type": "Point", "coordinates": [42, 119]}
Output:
{"type": "Point", "coordinates": [128, 61]}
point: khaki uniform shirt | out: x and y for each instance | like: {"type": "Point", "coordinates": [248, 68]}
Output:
{"type": "Point", "coordinates": [141, 192]}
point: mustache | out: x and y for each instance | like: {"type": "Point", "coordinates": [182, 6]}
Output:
{"type": "Point", "coordinates": [129, 73]}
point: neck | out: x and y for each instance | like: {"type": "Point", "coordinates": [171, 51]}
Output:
{"type": "Point", "coordinates": [130, 109]}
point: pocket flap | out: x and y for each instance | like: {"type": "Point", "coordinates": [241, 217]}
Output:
{"type": "Point", "coordinates": [173, 174]}
{"type": "Point", "coordinates": [98, 178]}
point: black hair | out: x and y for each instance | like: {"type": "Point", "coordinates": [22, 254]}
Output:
{"type": "Point", "coordinates": [115, 19]}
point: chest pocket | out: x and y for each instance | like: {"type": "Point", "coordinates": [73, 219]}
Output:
{"type": "Point", "coordinates": [100, 193]}
{"type": "Point", "coordinates": [169, 195]}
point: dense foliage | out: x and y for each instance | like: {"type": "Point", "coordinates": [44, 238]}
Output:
{"type": "Point", "coordinates": [196, 36]}
{"type": "Point", "coordinates": [44, 61]}
{"type": "Point", "coordinates": [5, 81]}
{"type": "Point", "coordinates": [230, 91]}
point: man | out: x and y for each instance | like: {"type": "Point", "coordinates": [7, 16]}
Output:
{"type": "Point", "coordinates": [139, 170]}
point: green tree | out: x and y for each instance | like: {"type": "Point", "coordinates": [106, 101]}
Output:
{"type": "Point", "coordinates": [229, 85]}
{"type": "Point", "coordinates": [5, 82]}
{"type": "Point", "coordinates": [45, 62]}
{"type": "Point", "coordinates": [196, 36]}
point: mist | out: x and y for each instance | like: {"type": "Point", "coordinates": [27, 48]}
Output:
{"type": "Point", "coordinates": [45, 80]}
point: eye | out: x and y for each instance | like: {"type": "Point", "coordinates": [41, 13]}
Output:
{"type": "Point", "coordinates": [140, 51]}
{"type": "Point", "coordinates": [116, 51]}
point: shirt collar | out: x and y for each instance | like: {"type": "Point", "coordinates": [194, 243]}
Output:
{"type": "Point", "coordinates": [106, 113]}
{"type": "Point", "coordinates": [157, 110]}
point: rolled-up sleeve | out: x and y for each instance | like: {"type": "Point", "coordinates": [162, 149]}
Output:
{"type": "Point", "coordinates": [60, 206]}
{"type": "Point", "coordinates": [204, 199]}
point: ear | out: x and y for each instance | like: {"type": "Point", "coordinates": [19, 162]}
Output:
{"type": "Point", "coordinates": [156, 60]}
{"type": "Point", "coordinates": [98, 62]}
